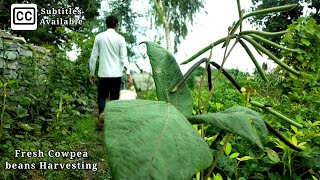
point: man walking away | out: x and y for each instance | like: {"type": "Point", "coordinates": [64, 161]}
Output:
{"type": "Point", "coordinates": [112, 51]}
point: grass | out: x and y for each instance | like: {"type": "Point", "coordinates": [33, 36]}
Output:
{"type": "Point", "coordinates": [150, 95]}
{"type": "Point", "coordinates": [80, 136]}
{"type": "Point", "coordinates": [69, 135]}
{"type": "Point", "coordinates": [86, 138]}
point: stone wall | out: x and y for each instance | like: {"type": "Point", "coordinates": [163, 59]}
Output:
{"type": "Point", "coordinates": [13, 50]}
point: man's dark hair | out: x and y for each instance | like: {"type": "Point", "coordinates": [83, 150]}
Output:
{"type": "Point", "coordinates": [112, 21]}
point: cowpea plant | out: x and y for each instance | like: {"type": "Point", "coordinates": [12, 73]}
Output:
{"type": "Point", "coordinates": [156, 140]}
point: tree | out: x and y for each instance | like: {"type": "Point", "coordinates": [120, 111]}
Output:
{"type": "Point", "coordinates": [302, 34]}
{"type": "Point", "coordinates": [84, 38]}
{"type": "Point", "coordinates": [50, 34]}
{"type": "Point", "coordinates": [172, 15]}
{"type": "Point", "coordinates": [279, 21]}
{"type": "Point", "coordinates": [127, 25]}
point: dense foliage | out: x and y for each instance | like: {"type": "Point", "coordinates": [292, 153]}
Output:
{"type": "Point", "coordinates": [279, 21]}
{"type": "Point", "coordinates": [43, 102]}
{"type": "Point", "coordinates": [50, 106]}
{"type": "Point", "coordinates": [277, 161]}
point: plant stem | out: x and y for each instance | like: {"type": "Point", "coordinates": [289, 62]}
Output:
{"type": "Point", "coordinates": [240, 14]}
{"type": "Point", "coordinates": [216, 159]}
{"type": "Point", "coordinates": [284, 164]}
{"type": "Point", "coordinates": [188, 74]}
{"type": "Point", "coordinates": [202, 111]}
{"type": "Point", "coordinates": [236, 169]}
{"type": "Point", "coordinates": [210, 46]}
{"type": "Point", "coordinates": [227, 75]}
{"type": "Point", "coordinates": [263, 33]}
{"type": "Point", "coordinates": [200, 99]}
{"type": "Point", "coordinates": [248, 100]}
{"type": "Point", "coordinates": [271, 43]}
{"type": "Point", "coordinates": [218, 75]}
{"type": "Point", "coordinates": [202, 130]}
{"type": "Point", "coordinates": [165, 22]}
{"type": "Point", "coordinates": [270, 55]}
{"type": "Point", "coordinates": [200, 93]}
{"type": "Point", "coordinates": [271, 10]}
{"type": "Point", "coordinates": [277, 114]}
{"type": "Point", "coordinates": [60, 108]}
{"type": "Point", "coordinates": [255, 62]}
{"type": "Point", "coordinates": [289, 164]}
{"type": "Point", "coordinates": [226, 55]}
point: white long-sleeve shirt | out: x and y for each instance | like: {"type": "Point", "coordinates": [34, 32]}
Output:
{"type": "Point", "coordinates": [112, 51]}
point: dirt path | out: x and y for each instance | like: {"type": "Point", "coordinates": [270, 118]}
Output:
{"type": "Point", "coordinates": [87, 138]}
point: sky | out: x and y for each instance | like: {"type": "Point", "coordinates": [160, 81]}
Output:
{"type": "Point", "coordinates": [210, 25]}
{"type": "Point", "coordinates": [208, 28]}
{"type": "Point", "coordinates": [213, 26]}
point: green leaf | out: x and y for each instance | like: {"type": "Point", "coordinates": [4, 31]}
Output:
{"type": "Point", "coordinates": [19, 136]}
{"type": "Point", "coordinates": [166, 74]}
{"type": "Point", "coordinates": [7, 118]}
{"type": "Point", "coordinates": [152, 140]}
{"type": "Point", "coordinates": [6, 126]}
{"type": "Point", "coordinates": [217, 177]}
{"type": "Point", "coordinates": [294, 140]}
{"type": "Point", "coordinates": [300, 58]}
{"type": "Point", "coordinates": [9, 143]}
{"type": "Point", "coordinates": [13, 84]}
{"type": "Point", "coordinates": [239, 120]}
{"type": "Point", "coordinates": [21, 112]}
{"type": "Point", "coordinates": [234, 155]}
{"type": "Point", "coordinates": [228, 149]}
{"type": "Point", "coordinates": [25, 101]}
{"type": "Point", "coordinates": [273, 156]}
{"type": "Point", "coordinates": [26, 127]}
{"type": "Point", "coordinates": [245, 158]}
{"type": "Point", "coordinates": [305, 42]}
{"type": "Point", "coordinates": [295, 129]}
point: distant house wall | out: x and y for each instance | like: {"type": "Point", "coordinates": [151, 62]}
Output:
{"type": "Point", "coordinates": [143, 81]}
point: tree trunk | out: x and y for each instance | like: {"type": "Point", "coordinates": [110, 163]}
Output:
{"type": "Point", "coordinates": [165, 23]}
{"type": "Point", "coordinates": [168, 38]}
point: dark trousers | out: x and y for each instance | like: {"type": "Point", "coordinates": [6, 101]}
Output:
{"type": "Point", "coordinates": [108, 87]}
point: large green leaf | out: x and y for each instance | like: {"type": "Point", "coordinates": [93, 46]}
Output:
{"type": "Point", "coordinates": [166, 74]}
{"type": "Point", "coordinates": [238, 120]}
{"type": "Point", "coordinates": [152, 140]}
